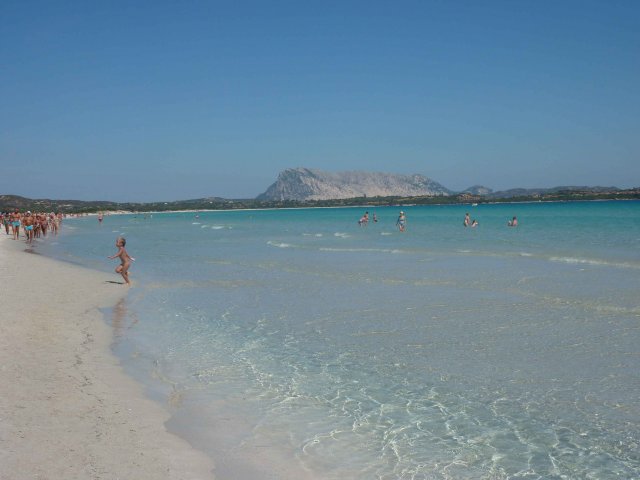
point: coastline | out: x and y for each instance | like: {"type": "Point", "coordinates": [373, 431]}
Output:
{"type": "Point", "coordinates": [370, 206]}
{"type": "Point", "coordinates": [68, 410]}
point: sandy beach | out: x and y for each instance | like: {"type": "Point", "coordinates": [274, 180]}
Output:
{"type": "Point", "coordinates": [67, 410]}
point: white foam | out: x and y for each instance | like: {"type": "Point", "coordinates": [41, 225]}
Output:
{"type": "Point", "coordinates": [368, 250]}
{"type": "Point", "coordinates": [594, 262]}
{"type": "Point", "coordinates": [279, 244]}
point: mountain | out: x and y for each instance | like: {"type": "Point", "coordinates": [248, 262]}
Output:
{"type": "Point", "coordinates": [310, 184]}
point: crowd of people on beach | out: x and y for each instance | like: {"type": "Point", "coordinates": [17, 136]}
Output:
{"type": "Point", "coordinates": [31, 225]}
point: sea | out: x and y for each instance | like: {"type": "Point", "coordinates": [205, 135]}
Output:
{"type": "Point", "coordinates": [296, 343]}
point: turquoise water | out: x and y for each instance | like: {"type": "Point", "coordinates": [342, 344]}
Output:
{"type": "Point", "coordinates": [296, 344]}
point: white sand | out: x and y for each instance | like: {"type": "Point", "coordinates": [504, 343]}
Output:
{"type": "Point", "coordinates": [67, 410]}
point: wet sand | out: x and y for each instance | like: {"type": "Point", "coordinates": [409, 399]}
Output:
{"type": "Point", "coordinates": [67, 410]}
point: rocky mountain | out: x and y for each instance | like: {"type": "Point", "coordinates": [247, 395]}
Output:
{"type": "Point", "coordinates": [311, 184]}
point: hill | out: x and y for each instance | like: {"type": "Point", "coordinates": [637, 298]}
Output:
{"type": "Point", "coordinates": [309, 184]}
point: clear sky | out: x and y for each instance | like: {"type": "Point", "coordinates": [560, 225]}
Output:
{"type": "Point", "coordinates": [168, 100]}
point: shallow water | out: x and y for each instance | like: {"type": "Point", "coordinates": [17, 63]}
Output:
{"type": "Point", "coordinates": [294, 343]}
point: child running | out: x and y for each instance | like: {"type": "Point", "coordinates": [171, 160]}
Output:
{"type": "Point", "coordinates": [125, 259]}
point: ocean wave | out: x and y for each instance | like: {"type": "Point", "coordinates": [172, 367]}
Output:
{"type": "Point", "coordinates": [367, 250]}
{"type": "Point", "coordinates": [341, 235]}
{"type": "Point", "coordinates": [279, 244]}
{"type": "Point", "coordinates": [593, 262]}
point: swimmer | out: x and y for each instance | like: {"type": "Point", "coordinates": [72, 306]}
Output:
{"type": "Point", "coordinates": [474, 223]}
{"type": "Point", "coordinates": [513, 222]}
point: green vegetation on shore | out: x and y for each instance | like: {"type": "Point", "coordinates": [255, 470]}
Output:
{"type": "Point", "coordinates": [11, 202]}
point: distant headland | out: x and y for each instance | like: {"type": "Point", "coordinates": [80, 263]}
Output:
{"type": "Point", "coordinates": [305, 187]}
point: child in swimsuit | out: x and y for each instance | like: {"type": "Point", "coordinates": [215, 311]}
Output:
{"type": "Point", "coordinates": [125, 259]}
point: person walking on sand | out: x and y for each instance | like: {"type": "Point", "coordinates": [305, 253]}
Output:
{"type": "Point", "coordinates": [125, 259]}
{"type": "Point", "coordinates": [15, 223]}
{"type": "Point", "coordinates": [29, 222]}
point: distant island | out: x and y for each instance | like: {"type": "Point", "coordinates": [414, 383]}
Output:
{"type": "Point", "coordinates": [304, 187]}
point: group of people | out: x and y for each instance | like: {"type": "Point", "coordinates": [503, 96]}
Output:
{"type": "Point", "coordinates": [32, 225]}
{"type": "Point", "coordinates": [468, 222]}
{"type": "Point", "coordinates": [36, 225]}
{"type": "Point", "coordinates": [364, 220]}
{"type": "Point", "coordinates": [401, 223]}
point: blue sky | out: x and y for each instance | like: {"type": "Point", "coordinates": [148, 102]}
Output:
{"type": "Point", "coordinates": [159, 100]}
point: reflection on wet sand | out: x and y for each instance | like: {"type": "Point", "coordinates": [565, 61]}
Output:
{"type": "Point", "coordinates": [119, 317]}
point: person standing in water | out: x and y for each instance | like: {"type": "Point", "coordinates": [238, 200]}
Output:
{"type": "Point", "coordinates": [402, 221]}
{"type": "Point", "coordinates": [467, 220]}
{"type": "Point", "coordinates": [125, 259]}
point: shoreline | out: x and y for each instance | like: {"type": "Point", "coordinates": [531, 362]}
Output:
{"type": "Point", "coordinates": [68, 410]}
{"type": "Point", "coordinates": [467, 204]}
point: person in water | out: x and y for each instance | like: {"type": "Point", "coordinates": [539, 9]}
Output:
{"type": "Point", "coordinates": [474, 223]}
{"type": "Point", "coordinates": [467, 220]}
{"type": "Point", "coordinates": [402, 221]}
{"type": "Point", "coordinates": [125, 259]}
{"type": "Point", "coordinates": [513, 222]}
{"type": "Point", "coordinates": [364, 221]}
